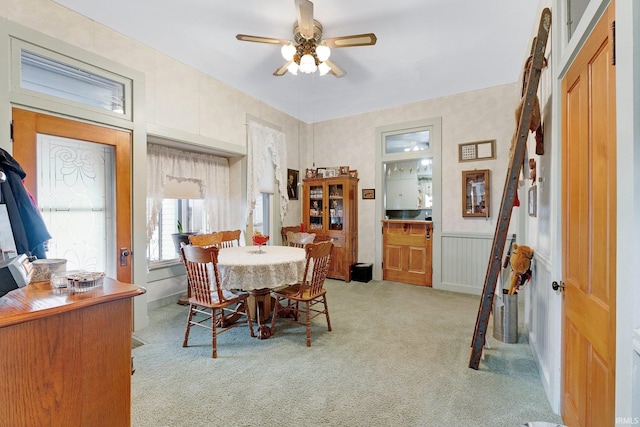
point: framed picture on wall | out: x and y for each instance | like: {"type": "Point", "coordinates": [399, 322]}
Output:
{"type": "Point", "coordinates": [369, 193]}
{"type": "Point", "coordinates": [479, 150]}
{"type": "Point", "coordinates": [292, 184]}
{"type": "Point", "coordinates": [475, 193]}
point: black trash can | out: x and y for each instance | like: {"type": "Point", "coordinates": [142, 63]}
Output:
{"type": "Point", "coordinates": [361, 272]}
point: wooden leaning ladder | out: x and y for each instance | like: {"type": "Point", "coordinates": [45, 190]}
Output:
{"type": "Point", "coordinates": [510, 187]}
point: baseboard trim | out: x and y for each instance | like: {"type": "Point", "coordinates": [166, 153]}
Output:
{"type": "Point", "coordinates": [169, 299]}
{"type": "Point", "coordinates": [456, 287]}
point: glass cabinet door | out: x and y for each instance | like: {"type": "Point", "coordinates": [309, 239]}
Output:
{"type": "Point", "coordinates": [336, 207]}
{"type": "Point", "coordinates": [315, 207]}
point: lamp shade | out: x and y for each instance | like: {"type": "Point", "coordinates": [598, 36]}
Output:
{"type": "Point", "coordinates": [293, 68]}
{"type": "Point", "coordinates": [323, 52]}
{"type": "Point", "coordinates": [323, 68]}
{"type": "Point", "coordinates": [308, 64]}
{"type": "Point", "coordinates": [288, 50]}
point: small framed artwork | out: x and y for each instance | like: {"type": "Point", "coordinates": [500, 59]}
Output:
{"type": "Point", "coordinates": [331, 173]}
{"type": "Point", "coordinates": [344, 170]}
{"type": "Point", "coordinates": [310, 173]}
{"type": "Point", "coordinates": [475, 193]}
{"type": "Point", "coordinates": [369, 193]}
{"type": "Point", "coordinates": [533, 201]}
{"type": "Point", "coordinates": [353, 173]}
{"type": "Point", "coordinates": [480, 150]}
{"type": "Point", "coordinates": [292, 184]}
{"type": "Point", "coordinates": [320, 172]}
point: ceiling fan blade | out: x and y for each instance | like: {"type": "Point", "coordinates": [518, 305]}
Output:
{"type": "Point", "coordinates": [282, 70]}
{"type": "Point", "coordinates": [368, 39]}
{"type": "Point", "coordinates": [304, 8]}
{"type": "Point", "coordinates": [335, 70]}
{"type": "Point", "coordinates": [258, 39]}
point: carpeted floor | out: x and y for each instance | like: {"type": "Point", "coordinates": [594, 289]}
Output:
{"type": "Point", "coordinates": [397, 356]}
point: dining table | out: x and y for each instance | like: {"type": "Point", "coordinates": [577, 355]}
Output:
{"type": "Point", "coordinates": [257, 270]}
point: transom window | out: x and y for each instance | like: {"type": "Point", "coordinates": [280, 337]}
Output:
{"type": "Point", "coordinates": [68, 81]}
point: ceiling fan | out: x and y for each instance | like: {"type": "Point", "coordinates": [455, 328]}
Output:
{"type": "Point", "coordinates": [308, 51]}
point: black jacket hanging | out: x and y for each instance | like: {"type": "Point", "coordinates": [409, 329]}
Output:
{"type": "Point", "coordinates": [29, 230]}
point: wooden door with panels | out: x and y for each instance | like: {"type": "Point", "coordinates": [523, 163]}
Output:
{"type": "Point", "coordinates": [407, 252]}
{"type": "Point", "coordinates": [589, 231]}
{"type": "Point", "coordinates": [76, 165]}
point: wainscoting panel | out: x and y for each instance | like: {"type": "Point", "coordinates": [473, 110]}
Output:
{"type": "Point", "coordinates": [465, 258]}
{"type": "Point", "coordinates": [544, 333]}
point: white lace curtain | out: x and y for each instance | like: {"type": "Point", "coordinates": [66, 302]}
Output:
{"type": "Point", "coordinates": [266, 146]}
{"type": "Point", "coordinates": [211, 173]}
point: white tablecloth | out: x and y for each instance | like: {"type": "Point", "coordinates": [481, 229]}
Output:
{"type": "Point", "coordinates": [242, 268]}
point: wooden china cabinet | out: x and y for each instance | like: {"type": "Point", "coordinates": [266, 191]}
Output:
{"type": "Point", "coordinates": [330, 210]}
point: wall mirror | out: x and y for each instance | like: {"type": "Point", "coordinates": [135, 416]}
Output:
{"type": "Point", "coordinates": [475, 193]}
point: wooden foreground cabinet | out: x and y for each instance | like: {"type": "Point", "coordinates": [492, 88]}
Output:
{"type": "Point", "coordinates": [330, 210]}
{"type": "Point", "coordinates": [407, 251]}
{"type": "Point", "coordinates": [66, 358]}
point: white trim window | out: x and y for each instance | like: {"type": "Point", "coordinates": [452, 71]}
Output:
{"type": "Point", "coordinates": [65, 80]}
{"type": "Point", "coordinates": [184, 186]}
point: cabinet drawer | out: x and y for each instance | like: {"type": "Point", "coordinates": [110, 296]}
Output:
{"type": "Point", "coordinates": [337, 240]}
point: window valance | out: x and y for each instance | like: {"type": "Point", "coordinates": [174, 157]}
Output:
{"type": "Point", "coordinates": [266, 147]}
{"type": "Point", "coordinates": [210, 173]}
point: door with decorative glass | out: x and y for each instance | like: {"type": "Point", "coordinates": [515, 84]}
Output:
{"type": "Point", "coordinates": [80, 175]}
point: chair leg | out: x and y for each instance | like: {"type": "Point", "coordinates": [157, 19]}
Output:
{"type": "Point", "coordinates": [326, 311]}
{"type": "Point", "coordinates": [214, 334]}
{"type": "Point", "coordinates": [186, 333]}
{"type": "Point", "coordinates": [308, 321]}
{"type": "Point", "coordinates": [297, 310]}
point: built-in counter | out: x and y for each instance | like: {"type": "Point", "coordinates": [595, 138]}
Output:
{"type": "Point", "coordinates": [407, 251]}
{"type": "Point", "coordinates": [66, 358]}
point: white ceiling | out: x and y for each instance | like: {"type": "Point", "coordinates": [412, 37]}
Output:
{"type": "Point", "coordinates": [426, 48]}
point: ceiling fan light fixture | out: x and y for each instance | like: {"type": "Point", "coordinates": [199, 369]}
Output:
{"type": "Point", "coordinates": [308, 52]}
{"type": "Point", "coordinates": [288, 50]}
{"type": "Point", "coordinates": [308, 64]}
{"type": "Point", "coordinates": [323, 52]}
{"type": "Point", "coordinates": [323, 68]}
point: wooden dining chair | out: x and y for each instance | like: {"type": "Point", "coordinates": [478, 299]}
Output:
{"type": "Point", "coordinates": [230, 238]}
{"type": "Point", "coordinates": [226, 309]}
{"type": "Point", "coordinates": [299, 239]}
{"type": "Point", "coordinates": [207, 239]}
{"type": "Point", "coordinates": [310, 291]}
{"type": "Point", "coordinates": [285, 230]}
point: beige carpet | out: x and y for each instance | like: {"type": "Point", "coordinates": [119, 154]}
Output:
{"type": "Point", "coordinates": [397, 356]}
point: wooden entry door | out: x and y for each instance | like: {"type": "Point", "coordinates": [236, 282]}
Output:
{"type": "Point", "coordinates": [589, 232]}
{"type": "Point", "coordinates": [27, 125]}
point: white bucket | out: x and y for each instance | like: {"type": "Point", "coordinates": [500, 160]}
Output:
{"type": "Point", "coordinates": [505, 318]}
